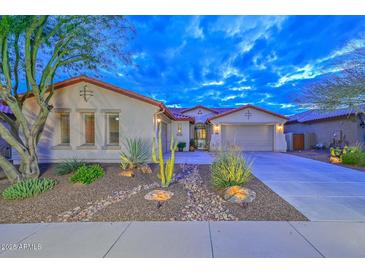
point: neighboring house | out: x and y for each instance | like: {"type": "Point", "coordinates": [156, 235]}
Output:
{"type": "Point", "coordinates": [307, 129]}
{"type": "Point", "coordinates": [91, 118]}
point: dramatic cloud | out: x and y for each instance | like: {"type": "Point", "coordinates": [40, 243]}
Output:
{"type": "Point", "coordinates": [227, 61]}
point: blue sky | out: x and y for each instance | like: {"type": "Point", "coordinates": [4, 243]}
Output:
{"type": "Point", "coordinates": [228, 61]}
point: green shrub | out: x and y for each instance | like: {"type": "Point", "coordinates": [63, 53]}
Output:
{"type": "Point", "coordinates": [354, 157]}
{"type": "Point", "coordinates": [87, 174]}
{"type": "Point", "coordinates": [28, 188]}
{"type": "Point", "coordinates": [136, 153]}
{"type": "Point", "coordinates": [68, 166]}
{"type": "Point", "coordinates": [181, 146]}
{"type": "Point", "coordinates": [230, 168]}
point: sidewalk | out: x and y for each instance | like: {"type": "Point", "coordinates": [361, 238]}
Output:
{"type": "Point", "coordinates": [184, 239]}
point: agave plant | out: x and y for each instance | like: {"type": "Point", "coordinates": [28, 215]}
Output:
{"type": "Point", "coordinates": [135, 153]}
{"type": "Point", "coordinates": [68, 166]}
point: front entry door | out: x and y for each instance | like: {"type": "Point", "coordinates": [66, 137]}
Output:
{"type": "Point", "coordinates": [201, 137]}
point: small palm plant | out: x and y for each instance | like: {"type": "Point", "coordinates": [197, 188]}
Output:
{"type": "Point", "coordinates": [135, 153]}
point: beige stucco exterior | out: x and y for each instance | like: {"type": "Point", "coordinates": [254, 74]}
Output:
{"type": "Point", "coordinates": [323, 131]}
{"type": "Point", "coordinates": [257, 118]}
{"type": "Point", "coordinates": [136, 119]}
{"type": "Point", "coordinates": [184, 135]}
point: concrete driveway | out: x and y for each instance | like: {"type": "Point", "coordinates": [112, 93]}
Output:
{"type": "Point", "coordinates": [321, 191]}
{"type": "Point", "coordinates": [194, 158]}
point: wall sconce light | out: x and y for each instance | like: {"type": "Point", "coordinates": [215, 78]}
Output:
{"type": "Point", "coordinates": [280, 128]}
{"type": "Point", "coordinates": [158, 120]}
{"type": "Point", "coordinates": [179, 130]}
{"type": "Point", "coordinates": [216, 129]}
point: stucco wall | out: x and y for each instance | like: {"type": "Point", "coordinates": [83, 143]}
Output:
{"type": "Point", "coordinates": [135, 118]}
{"type": "Point", "coordinates": [239, 118]}
{"type": "Point", "coordinates": [194, 112]}
{"type": "Point", "coordinates": [184, 136]}
{"type": "Point", "coordinates": [324, 130]}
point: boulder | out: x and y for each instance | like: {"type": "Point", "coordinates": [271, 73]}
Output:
{"type": "Point", "coordinates": [158, 195]}
{"type": "Point", "coordinates": [239, 195]}
{"type": "Point", "coordinates": [146, 169]}
{"type": "Point", "coordinates": [335, 160]}
{"type": "Point", "coordinates": [127, 173]}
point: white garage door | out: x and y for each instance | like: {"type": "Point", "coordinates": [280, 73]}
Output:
{"type": "Point", "coordinates": [249, 138]}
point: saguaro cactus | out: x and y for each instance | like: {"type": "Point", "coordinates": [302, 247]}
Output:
{"type": "Point", "coordinates": [166, 170]}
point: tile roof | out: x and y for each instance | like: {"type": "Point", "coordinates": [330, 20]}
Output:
{"type": "Point", "coordinates": [314, 115]}
{"type": "Point", "coordinates": [178, 112]}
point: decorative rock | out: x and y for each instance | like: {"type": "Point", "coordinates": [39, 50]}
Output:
{"type": "Point", "coordinates": [146, 169]}
{"type": "Point", "coordinates": [158, 195]}
{"type": "Point", "coordinates": [335, 160]}
{"type": "Point", "coordinates": [87, 213]}
{"type": "Point", "coordinates": [239, 195]}
{"type": "Point", "coordinates": [127, 173]}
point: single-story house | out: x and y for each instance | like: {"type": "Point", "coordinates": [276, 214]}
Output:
{"type": "Point", "coordinates": [90, 118]}
{"type": "Point", "coordinates": [314, 127]}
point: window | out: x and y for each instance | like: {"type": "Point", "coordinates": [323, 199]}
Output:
{"type": "Point", "coordinates": [112, 128]}
{"type": "Point", "coordinates": [89, 128]}
{"type": "Point", "coordinates": [64, 128]}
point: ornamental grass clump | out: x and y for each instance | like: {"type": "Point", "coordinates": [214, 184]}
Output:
{"type": "Point", "coordinates": [354, 155]}
{"type": "Point", "coordinates": [68, 166]}
{"type": "Point", "coordinates": [136, 153]}
{"type": "Point", "coordinates": [87, 174]}
{"type": "Point", "coordinates": [28, 188]}
{"type": "Point", "coordinates": [230, 169]}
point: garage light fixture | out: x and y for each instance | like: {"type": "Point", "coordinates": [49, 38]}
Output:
{"type": "Point", "coordinates": [279, 128]}
{"type": "Point", "coordinates": [216, 129]}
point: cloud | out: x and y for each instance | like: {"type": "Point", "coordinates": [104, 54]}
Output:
{"type": "Point", "coordinates": [213, 83]}
{"type": "Point", "coordinates": [221, 60]}
{"type": "Point", "coordinates": [348, 48]}
{"type": "Point", "coordinates": [307, 72]}
{"type": "Point", "coordinates": [172, 52]}
{"type": "Point", "coordinates": [241, 88]}
{"type": "Point", "coordinates": [194, 30]}
{"type": "Point", "coordinates": [232, 97]}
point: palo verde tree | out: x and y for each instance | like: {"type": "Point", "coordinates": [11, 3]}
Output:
{"type": "Point", "coordinates": [345, 88]}
{"type": "Point", "coordinates": [33, 50]}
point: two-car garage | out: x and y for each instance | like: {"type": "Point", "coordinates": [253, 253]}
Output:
{"type": "Point", "coordinates": [249, 127]}
{"type": "Point", "coordinates": [249, 137]}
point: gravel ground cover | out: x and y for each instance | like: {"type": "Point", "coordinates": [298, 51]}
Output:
{"type": "Point", "coordinates": [116, 198]}
{"type": "Point", "coordinates": [321, 155]}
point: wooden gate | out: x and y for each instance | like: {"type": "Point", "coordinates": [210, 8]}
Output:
{"type": "Point", "coordinates": [298, 141]}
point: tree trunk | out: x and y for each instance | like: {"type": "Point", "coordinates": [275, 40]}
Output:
{"type": "Point", "coordinates": [29, 168]}
{"type": "Point", "coordinates": [10, 170]}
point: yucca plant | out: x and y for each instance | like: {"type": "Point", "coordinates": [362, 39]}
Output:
{"type": "Point", "coordinates": [28, 188]}
{"type": "Point", "coordinates": [68, 166]}
{"type": "Point", "coordinates": [230, 168]}
{"type": "Point", "coordinates": [135, 153]}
